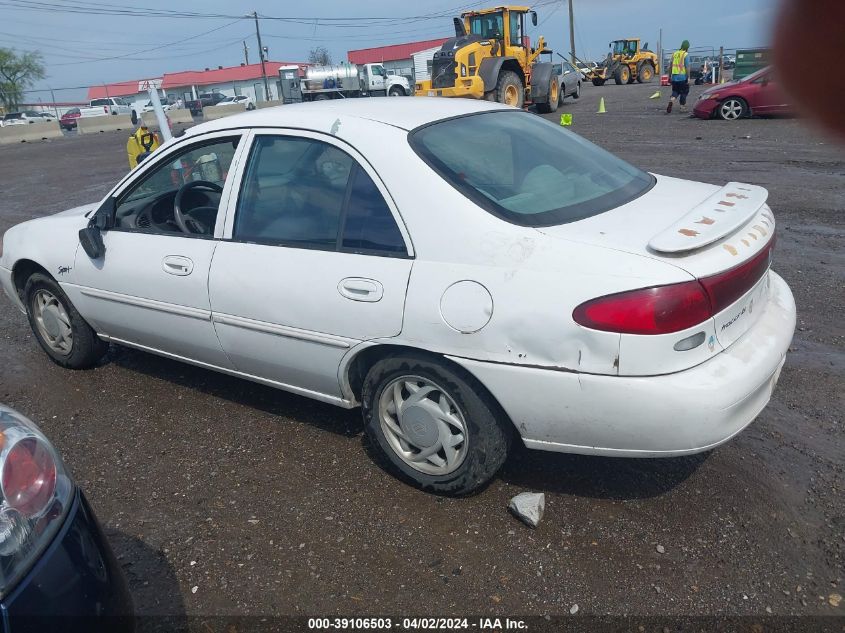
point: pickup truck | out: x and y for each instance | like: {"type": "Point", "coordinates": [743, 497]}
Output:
{"type": "Point", "coordinates": [205, 99]}
{"type": "Point", "coordinates": [110, 105]}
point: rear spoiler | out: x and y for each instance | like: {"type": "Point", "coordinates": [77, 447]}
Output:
{"type": "Point", "coordinates": [718, 216]}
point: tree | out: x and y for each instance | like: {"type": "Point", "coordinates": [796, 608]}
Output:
{"type": "Point", "coordinates": [17, 72]}
{"type": "Point", "coordinates": [320, 56]}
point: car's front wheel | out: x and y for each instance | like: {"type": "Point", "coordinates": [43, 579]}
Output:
{"type": "Point", "coordinates": [436, 426]}
{"type": "Point", "coordinates": [68, 340]}
{"type": "Point", "coordinates": [732, 109]}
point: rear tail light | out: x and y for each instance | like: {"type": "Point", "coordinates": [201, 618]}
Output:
{"type": "Point", "coordinates": [676, 307]}
{"type": "Point", "coordinates": [35, 495]}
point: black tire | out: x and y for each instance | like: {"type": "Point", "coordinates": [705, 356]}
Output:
{"type": "Point", "coordinates": [732, 108]}
{"type": "Point", "coordinates": [86, 349]}
{"type": "Point", "coordinates": [508, 79]}
{"type": "Point", "coordinates": [488, 436]}
{"type": "Point", "coordinates": [396, 91]}
{"type": "Point", "coordinates": [645, 72]}
{"type": "Point", "coordinates": [622, 75]}
{"type": "Point", "coordinates": [576, 94]}
{"type": "Point", "coordinates": [598, 82]}
{"type": "Point", "coordinates": [551, 104]}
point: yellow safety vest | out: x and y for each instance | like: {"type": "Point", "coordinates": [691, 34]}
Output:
{"type": "Point", "coordinates": [679, 59]}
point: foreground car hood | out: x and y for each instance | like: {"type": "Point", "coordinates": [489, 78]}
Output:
{"type": "Point", "coordinates": [633, 227]}
{"type": "Point", "coordinates": [80, 210]}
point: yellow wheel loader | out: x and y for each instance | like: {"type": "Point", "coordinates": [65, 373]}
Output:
{"type": "Point", "coordinates": [626, 63]}
{"type": "Point", "coordinates": [491, 58]}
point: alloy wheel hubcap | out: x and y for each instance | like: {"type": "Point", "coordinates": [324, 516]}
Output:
{"type": "Point", "coordinates": [731, 109]}
{"type": "Point", "coordinates": [423, 425]}
{"type": "Point", "coordinates": [53, 322]}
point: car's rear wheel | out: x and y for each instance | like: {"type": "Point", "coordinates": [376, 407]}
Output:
{"type": "Point", "coordinates": [576, 94]}
{"type": "Point", "coordinates": [62, 333]}
{"type": "Point", "coordinates": [434, 425]}
{"type": "Point", "coordinates": [732, 108]}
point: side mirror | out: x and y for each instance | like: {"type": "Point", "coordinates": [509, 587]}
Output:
{"type": "Point", "coordinates": [91, 240]}
{"type": "Point", "coordinates": [534, 18]}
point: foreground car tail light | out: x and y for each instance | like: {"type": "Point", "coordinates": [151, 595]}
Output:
{"type": "Point", "coordinates": [35, 495]}
{"type": "Point", "coordinates": [676, 307]}
{"type": "Point", "coordinates": [656, 310]}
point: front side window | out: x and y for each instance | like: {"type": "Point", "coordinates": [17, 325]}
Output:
{"type": "Point", "coordinates": [488, 26]}
{"type": "Point", "coordinates": [378, 70]}
{"type": "Point", "coordinates": [305, 193]}
{"type": "Point", "coordinates": [526, 170]}
{"type": "Point", "coordinates": [199, 172]}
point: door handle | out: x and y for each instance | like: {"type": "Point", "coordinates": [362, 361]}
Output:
{"type": "Point", "coordinates": [361, 289]}
{"type": "Point", "coordinates": [177, 265]}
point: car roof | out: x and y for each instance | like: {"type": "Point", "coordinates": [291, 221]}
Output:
{"type": "Point", "coordinates": [405, 113]}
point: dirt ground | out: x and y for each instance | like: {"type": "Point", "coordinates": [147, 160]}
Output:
{"type": "Point", "coordinates": [225, 497]}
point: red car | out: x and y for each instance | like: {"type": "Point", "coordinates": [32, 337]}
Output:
{"type": "Point", "coordinates": [68, 120]}
{"type": "Point", "coordinates": [758, 93]}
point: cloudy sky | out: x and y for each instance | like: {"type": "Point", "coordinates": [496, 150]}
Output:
{"type": "Point", "coordinates": [86, 42]}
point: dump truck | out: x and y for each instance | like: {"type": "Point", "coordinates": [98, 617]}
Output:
{"type": "Point", "coordinates": [491, 58]}
{"type": "Point", "coordinates": [626, 63]}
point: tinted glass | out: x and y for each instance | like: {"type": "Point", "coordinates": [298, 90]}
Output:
{"type": "Point", "coordinates": [100, 102]}
{"type": "Point", "coordinates": [490, 25]}
{"type": "Point", "coordinates": [369, 223]}
{"type": "Point", "coordinates": [527, 170]}
{"type": "Point", "coordinates": [293, 193]}
{"type": "Point", "coordinates": [148, 204]}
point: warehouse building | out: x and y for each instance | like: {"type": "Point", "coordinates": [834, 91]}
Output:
{"type": "Point", "coordinates": [396, 58]}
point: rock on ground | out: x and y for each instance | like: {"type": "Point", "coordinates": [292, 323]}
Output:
{"type": "Point", "coordinates": [528, 507]}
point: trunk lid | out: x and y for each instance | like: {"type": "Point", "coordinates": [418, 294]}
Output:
{"type": "Point", "coordinates": [700, 228]}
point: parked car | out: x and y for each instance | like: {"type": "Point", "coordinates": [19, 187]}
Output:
{"type": "Point", "coordinates": [468, 273]}
{"type": "Point", "coordinates": [112, 105]}
{"type": "Point", "coordinates": [166, 105]}
{"type": "Point", "coordinates": [205, 99]}
{"type": "Point", "coordinates": [44, 116]}
{"type": "Point", "coordinates": [20, 118]}
{"type": "Point", "coordinates": [756, 94]}
{"type": "Point", "coordinates": [59, 573]}
{"type": "Point", "coordinates": [570, 81]}
{"type": "Point", "coordinates": [68, 120]}
{"type": "Point", "coordinates": [243, 100]}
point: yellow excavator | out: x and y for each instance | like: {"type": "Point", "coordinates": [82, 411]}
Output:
{"type": "Point", "coordinates": [491, 58]}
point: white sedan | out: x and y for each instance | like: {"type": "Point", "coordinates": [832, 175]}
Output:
{"type": "Point", "coordinates": [243, 100]}
{"type": "Point", "coordinates": [467, 273]}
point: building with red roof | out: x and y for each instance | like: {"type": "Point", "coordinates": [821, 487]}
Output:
{"type": "Point", "coordinates": [397, 58]}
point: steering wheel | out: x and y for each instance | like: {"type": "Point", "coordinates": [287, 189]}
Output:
{"type": "Point", "coordinates": [187, 223]}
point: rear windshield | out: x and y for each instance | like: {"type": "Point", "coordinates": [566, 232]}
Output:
{"type": "Point", "coordinates": [526, 170]}
{"type": "Point", "coordinates": [12, 115]}
{"type": "Point", "coordinates": [100, 102]}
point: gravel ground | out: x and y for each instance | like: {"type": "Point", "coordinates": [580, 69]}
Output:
{"type": "Point", "coordinates": [225, 497]}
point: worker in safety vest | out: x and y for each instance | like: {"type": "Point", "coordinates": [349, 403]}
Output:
{"type": "Point", "coordinates": [680, 77]}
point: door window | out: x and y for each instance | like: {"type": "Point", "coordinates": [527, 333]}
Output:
{"type": "Point", "coordinates": [305, 193]}
{"type": "Point", "coordinates": [148, 205]}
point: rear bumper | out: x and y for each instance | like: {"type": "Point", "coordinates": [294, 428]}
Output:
{"type": "Point", "coordinates": [472, 87]}
{"type": "Point", "coordinates": [650, 416]}
{"type": "Point", "coordinates": [76, 586]}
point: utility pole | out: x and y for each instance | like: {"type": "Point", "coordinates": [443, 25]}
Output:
{"type": "Point", "coordinates": [55, 107]}
{"type": "Point", "coordinates": [721, 65]}
{"type": "Point", "coordinates": [660, 53]}
{"type": "Point", "coordinates": [261, 55]}
{"type": "Point", "coordinates": [571, 33]}
{"type": "Point", "coordinates": [246, 53]}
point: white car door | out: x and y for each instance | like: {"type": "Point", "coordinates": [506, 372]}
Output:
{"type": "Point", "coordinates": [150, 289]}
{"type": "Point", "coordinates": [315, 259]}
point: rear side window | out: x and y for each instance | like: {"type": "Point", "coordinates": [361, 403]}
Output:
{"type": "Point", "coordinates": [305, 193]}
{"type": "Point", "coordinates": [369, 223]}
{"type": "Point", "coordinates": [526, 170]}
{"type": "Point", "coordinates": [101, 102]}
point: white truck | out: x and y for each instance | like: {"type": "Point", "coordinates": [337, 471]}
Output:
{"type": "Point", "coordinates": [108, 105]}
{"type": "Point", "coordinates": [315, 83]}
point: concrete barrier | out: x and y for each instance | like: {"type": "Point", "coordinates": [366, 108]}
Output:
{"type": "Point", "coordinates": [209, 113]}
{"type": "Point", "coordinates": [105, 123]}
{"type": "Point", "coordinates": [29, 132]}
{"type": "Point", "coordinates": [180, 116]}
{"type": "Point", "coordinates": [268, 104]}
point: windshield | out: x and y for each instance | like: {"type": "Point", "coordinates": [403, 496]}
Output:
{"type": "Point", "coordinates": [489, 25]}
{"type": "Point", "coordinates": [12, 115]}
{"type": "Point", "coordinates": [526, 170]}
{"type": "Point", "coordinates": [624, 47]}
